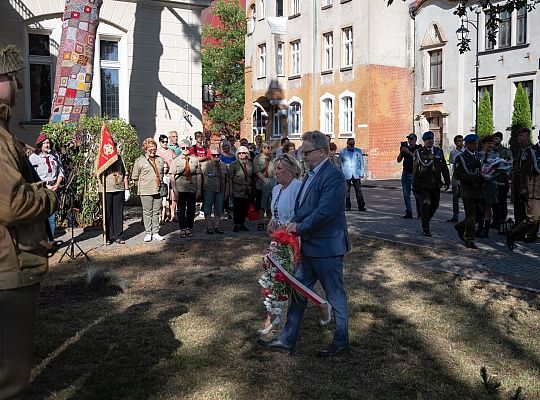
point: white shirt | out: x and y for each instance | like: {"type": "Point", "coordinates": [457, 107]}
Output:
{"type": "Point", "coordinates": [283, 201]}
{"type": "Point", "coordinates": [46, 174]}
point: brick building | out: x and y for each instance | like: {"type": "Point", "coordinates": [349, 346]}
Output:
{"type": "Point", "coordinates": [342, 67]}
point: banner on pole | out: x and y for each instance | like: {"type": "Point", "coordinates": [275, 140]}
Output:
{"type": "Point", "coordinates": [107, 154]}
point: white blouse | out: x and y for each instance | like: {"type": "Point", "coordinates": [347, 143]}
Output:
{"type": "Point", "coordinates": [283, 201]}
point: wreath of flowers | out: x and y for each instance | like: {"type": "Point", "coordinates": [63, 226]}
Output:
{"type": "Point", "coordinates": [285, 249]}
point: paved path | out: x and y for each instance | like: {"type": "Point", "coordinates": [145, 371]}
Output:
{"type": "Point", "coordinates": [492, 262]}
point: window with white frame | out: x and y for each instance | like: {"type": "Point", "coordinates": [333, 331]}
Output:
{"type": "Point", "coordinates": [110, 78]}
{"type": "Point", "coordinates": [327, 115]}
{"type": "Point", "coordinates": [486, 89]}
{"type": "Point", "coordinates": [295, 118]}
{"type": "Point", "coordinates": [279, 8]}
{"type": "Point", "coordinates": [347, 114]}
{"type": "Point", "coordinates": [276, 122]}
{"type": "Point", "coordinates": [279, 59]}
{"type": "Point", "coordinates": [295, 7]}
{"type": "Point", "coordinates": [258, 122]}
{"type": "Point", "coordinates": [505, 29]}
{"type": "Point", "coordinates": [435, 69]}
{"type": "Point", "coordinates": [262, 60]}
{"type": "Point", "coordinates": [328, 51]}
{"type": "Point", "coordinates": [528, 88]}
{"type": "Point", "coordinates": [295, 58]}
{"type": "Point", "coordinates": [40, 66]}
{"type": "Point", "coordinates": [521, 25]}
{"type": "Point", "coordinates": [262, 9]}
{"type": "Point", "coordinates": [347, 40]}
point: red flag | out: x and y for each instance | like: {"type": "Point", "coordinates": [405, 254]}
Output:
{"type": "Point", "coordinates": [107, 154]}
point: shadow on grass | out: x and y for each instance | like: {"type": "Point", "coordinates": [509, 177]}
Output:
{"type": "Point", "coordinates": [186, 329]}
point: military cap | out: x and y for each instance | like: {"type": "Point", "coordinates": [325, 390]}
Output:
{"type": "Point", "coordinates": [428, 135]}
{"type": "Point", "coordinates": [488, 139]}
{"type": "Point", "coordinates": [471, 138]}
{"type": "Point", "coordinates": [11, 59]}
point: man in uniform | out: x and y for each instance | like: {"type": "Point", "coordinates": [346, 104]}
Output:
{"type": "Point", "coordinates": [25, 205]}
{"type": "Point", "coordinates": [428, 166]}
{"type": "Point", "coordinates": [467, 171]}
{"type": "Point", "coordinates": [529, 193]}
{"type": "Point", "coordinates": [500, 210]}
{"type": "Point", "coordinates": [524, 140]}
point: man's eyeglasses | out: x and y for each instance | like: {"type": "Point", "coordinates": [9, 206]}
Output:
{"type": "Point", "coordinates": [307, 152]}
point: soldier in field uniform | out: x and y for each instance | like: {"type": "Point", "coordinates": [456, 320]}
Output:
{"type": "Point", "coordinates": [524, 140]}
{"type": "Point", "coordinates": [529, 193]}
{"type": "Point", "coordinates": [428, 166]}
{"type": "Point", "coordinates": [467, 171]}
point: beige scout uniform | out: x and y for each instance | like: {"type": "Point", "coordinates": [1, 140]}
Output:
{"type": "Point", "coordinates": [265, 166]}
{"type": "Point", "coordinates": [241, 181]}
{"type": "Point", "coordinates": [149, 181]}
{"type": "Point", "coordinates": [214, 181]}
{"type": "Point", "coordinates": [186, 180]}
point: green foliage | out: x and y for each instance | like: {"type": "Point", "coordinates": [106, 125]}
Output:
{"type": "Point", "coordinates": [485, 117]}
{"type": "Point", "coordinates": [521, 117]}
{"type": "Point", "coordinates": [223, 65]}
{"type": "Point", "coordinates": [78, 145]}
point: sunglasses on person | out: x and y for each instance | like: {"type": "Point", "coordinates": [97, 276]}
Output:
{"type": "Point", "coordinates": [242, 152]}
{"type": "Point", "coordinates": [184, 148]}
{"type": "Point", "coordinates": [164, 141]}
{"type": "Point", "coordinates": [215, 155]}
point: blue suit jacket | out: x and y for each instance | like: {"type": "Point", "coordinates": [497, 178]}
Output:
{"type": "Point", "coordinates": [352, 163]}
{"type": "Point", "coordinates": [320, 216]}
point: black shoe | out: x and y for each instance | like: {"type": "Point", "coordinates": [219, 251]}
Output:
{"type": "Point", "coordinates": [470, 245]}
{"type": "Point", "coordinates": [244, 228]}
{"type": "Point", "coordinates": [275, 345]}
{"type": "Point", "coordinates": [426, 233]}
{"type": "Point", "coordinates": [362, 209]}
{"type": "Point", "coordinates": [218, 230]}
{"type": "Point", "coordinates": [333, 350]}
{"type": "Point", "coordinates": [453, 219]}
{"type": "Point", "coordinates": [510, 242]}
{"type": "Point", "coordinates": [210, 231]}
{"type": "Point", "coordinates": [460, 232]}
{"type": "Point", "coordinates": [407, 216]}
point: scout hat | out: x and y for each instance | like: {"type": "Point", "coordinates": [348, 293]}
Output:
{"type": "Point", "coordinates": [471, 138]}
{"type": "Point", "coordinates": [428, 135]}
{"type": "Point", "coordinates": [41, 138]}
{"type": "Point", "coordinates": [11, 59]}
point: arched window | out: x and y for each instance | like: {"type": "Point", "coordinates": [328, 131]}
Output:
{"type": "Point", "coordinates": [327, 114]}
{"type": "Point", "coordinates": [295, 118]}
{"type": "Point", "coordinates": [258, 123]}
{"type": "Point", "coordinates": [346, 114]}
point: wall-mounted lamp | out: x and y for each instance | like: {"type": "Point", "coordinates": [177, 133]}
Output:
{"type": "Point", "coordinates": [501, 58]}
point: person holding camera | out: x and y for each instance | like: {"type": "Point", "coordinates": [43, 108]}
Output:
{"type": "Point", "coordinates": [428, 166]}
{"type": "Point", "coordinates": [406, 154]}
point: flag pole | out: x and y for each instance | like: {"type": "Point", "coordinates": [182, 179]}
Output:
{"type": "Point", "coordinates": [103, 224]}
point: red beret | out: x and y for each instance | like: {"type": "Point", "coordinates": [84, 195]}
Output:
{"type": "Point", "coordinates": [488, 139]}
{"type": "Point", "coordinates": [41, 138]}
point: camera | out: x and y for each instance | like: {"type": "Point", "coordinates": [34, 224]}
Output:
{"type": "Point", "coordinates": [404, 144]}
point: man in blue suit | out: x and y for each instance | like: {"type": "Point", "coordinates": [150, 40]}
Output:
{"type": "Point", "coordinates": [320, 223]}
{"type": "Point", "coordinates": [352, 164]}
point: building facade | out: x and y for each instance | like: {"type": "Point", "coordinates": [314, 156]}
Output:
{"type": "Point", "coordinates": [445, 80]}
{"type": "Point", "coordinates": [343, 67]}
{"type": "Point", "coordinates": [147, 67]}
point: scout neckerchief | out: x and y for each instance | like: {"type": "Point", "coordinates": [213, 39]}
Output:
{"type": "Point", "coordinates": [266, 169]}
{"type": "Point", "coordinates": [217, 164]}
{"type": "Point", "coordinates": [244, 170]}
{"type": "Point", "coordinates": [154, 166]}
{"type": "Point", "coordinates": [187, 170]}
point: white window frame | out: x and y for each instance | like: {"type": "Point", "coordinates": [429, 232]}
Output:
{"type": "Point", "coordinates": [328, 51]}
{"type": "Point", "coordinates": [296, 57]}
{"type": "Point", "coordinates": [262, 10]}
{"type": "Point", "coordinates": [117, 65]}
{"type": "Point", "coordinates": [280, 70]}
{"type": "Point", "coordinates": [513, 90]}
{"type": "Point", "coordinates": [343, 132]}
{"type": "Point", "coordinates": [256, 130]}
{"type": "Point", "coordinates": [348, 53]}
{"type": "Point", "coordinates": [327, 116]}
{"type": "Point", "coordinates": [296, 7]}
{"type": "Point", "coordinates": [427, 69]}
{"type": "Point", "coordinates": [261, 49]}
{"type": "Point", "coordinates": [290, 115]}
{"type": "Point", "coordinates": [276, 122]}
{"type": "Point", "coordinates": [41, 60]}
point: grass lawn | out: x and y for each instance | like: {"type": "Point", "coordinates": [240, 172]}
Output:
{"type": "Point", "coordinates": [186, 329]}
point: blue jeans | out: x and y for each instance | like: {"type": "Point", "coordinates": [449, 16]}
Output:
{"type": "Point", "coordinates": [406, 185]}
{"type": "Point", "coordinates": [52, 224]}
{"type": "Point", "coordinates": [329, 271]}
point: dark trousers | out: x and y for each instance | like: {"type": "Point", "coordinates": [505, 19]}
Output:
{"type": "Point", "coordinates": [240, 210]}
{"type": "Point", "coordinates": [500, 210]}
{"type": "Point", "coordinates": [430, 204]}
{"type": "Point", "coordinates": [356, 183]}
{"type": "Point", "coordinates": [474, 210]}
{"type": "Point", "coordinates": [520, 208]}
{"type": "Point", "coordinates": [455, 199]}
{"type": "Point", "coordinates": [18, 308]}
{"type": "Point", "coordinates": [114, 210]}
{"type": "Point", "coordinates": [186, 209]}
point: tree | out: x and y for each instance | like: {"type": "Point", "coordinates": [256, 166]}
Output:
{"type": "Point", "coordinates": [223, 65]}
{"type": "Point", "coordinates": [521, 117]}
{"type": "Point", "coordinates": [485, 116]}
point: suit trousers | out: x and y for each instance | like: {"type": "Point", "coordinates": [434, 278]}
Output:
{"type": "Point", "coordinates": [430, 204]}
{"type": "Point", "coordinates": [520, 207]}
{"type": "Point", "coordinates": [329, 271]}
{"type": "Point", "coordinates": [18, 309]}
{"type": "Point", "coordinates": [455, 199]}
{"type": "Point", "coordinates": [240, 210]}
{"type": "Point", "coordinates": [151, 207]}
{"type": "Point", "coordinates": [529, 226]}
{"type": "Point", "coordinates": [186, 209]}
{"type": "Point", "coordinates": [500, 210]}
{"type": "Point", "coordinates": [357, 184]}
{"type": "Point", "coordinates": [114, 211]}
{"type": "Point", "coordinates": [474, 210]}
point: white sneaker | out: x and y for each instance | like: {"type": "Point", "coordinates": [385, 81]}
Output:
{"type": "Point", "coordinates": [148, 238]}
{"type": "Point", "coordinates": [158, 237]}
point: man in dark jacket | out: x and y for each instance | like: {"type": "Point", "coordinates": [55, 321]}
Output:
{"type": "Point", "coordinates": [429, 167]}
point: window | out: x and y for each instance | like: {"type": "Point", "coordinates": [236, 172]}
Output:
{"type": "Point", "coordinates": [295, 7]}
{"type": "Point", "coordinates": [40, 65]}
{"type": "Point", "coordinates": [295, 121]}
{"type": "Point", "coordinates": [279, 8]}
{"type": "Point", "coordinates": [262, 10]}
{"type": "Point", "coordinates": [262, 60]}
{"type": "Point", "coordinates": [258, 122]}
{"type": "Point", "coordinates": [276, 122]}
{"type": "Point", "coordinates": [347, 47]}
{"type": "Point", "coordinates": [110, 82]}
{"type": "Point", "coordinates": [327, 116]}
{"type": "Point", "coordinates": [328, 51]}
{"type": "Point", "coordinates": [489, 90]}
{"type": "Point", "coordinates": [295, 58]}
{"type": "Point", "coordinates": [435, 69]}
{"type": "Point", "coordinates": [347, 114]}
{"type": "Point", "coordinates": [521, 25]}
{"type": "Point", "coordinates": [490, 44]}
{"type": "Point", "coordinates": [528, 88]}
{"type": "Point", "coordinates": [279, 59]}
{"type": "Point", "coordinates": [326, 3]}
{"type": "Point", "coordinates": [505, 29]}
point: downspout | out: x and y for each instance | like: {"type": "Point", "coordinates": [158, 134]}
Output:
{"type": "Point", "coordinates": [313, 63]}
{"type": "Point", "coordinates": [413, 59]}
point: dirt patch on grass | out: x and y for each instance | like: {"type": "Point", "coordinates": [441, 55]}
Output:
{"type": "Point", "coordinates": [185, 329]}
